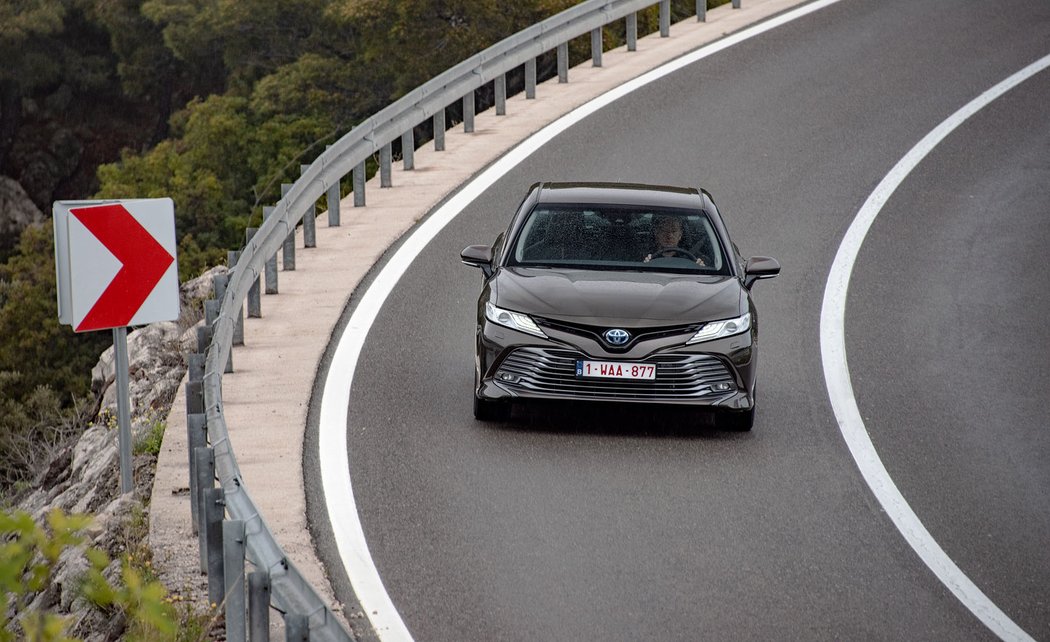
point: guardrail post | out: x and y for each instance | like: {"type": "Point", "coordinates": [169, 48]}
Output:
{"type": "Point", "coordinates": [270, 267]}
{"type": "Point", "coordinates": [530, 79]}
{"type": "Point", "coordinates": [468, 112]}
{"type": "Point", "coordinates": [233, 576]}
{"type": "Point", "coordinates": [408, 149]}
{"type": "Point", "coordinates": [196, 437]}
{"type": "Point", "coordinates": [500, 88]}
{"type": "Point", "coordinates": [309, 219]}
{"type": "Point", "coordinates": [203, 338]}
{"type": "Point", "coordinates": [204, 470]}
{"type": "Point", "coordinates": [296, 628]}
{"type": "Point", "coordinates": [359, 185]}
{"type": "Point", "coordinates": [701, 10]}
{"type": "Point", "coordinates": [218, 285]}
{"type": "Point", "coordinates": [195, 367]}
{"type": "Point", "coordinates": [288, 255]}
{"type": "Point", "coordinates": [194, 397]}
{"type": "Point", "coordinates": [386, 160]}
{"type": "Point", "coordinates": [632, 28]}
{"type": "Point", "coordinates": [211, 313]}
{"type": "Point", "coordinates": [214, 512]}
{"type": "Point", "coordinates": [439, 130]}
{"type": "Point", "coordinates": [665, 18]}
{"type": "Point", "coordinates": [563, 62]}
{"type": "Point", "coordinates": [259, 606]}
{"type": "Point", "coordinates": [334, 195]}
{"type": "Point", "coordinates": [238, 328]}
{"type": "Point", "coordinates": [596, 47]}
{"type": "Point", "coordinates": [254, 298]}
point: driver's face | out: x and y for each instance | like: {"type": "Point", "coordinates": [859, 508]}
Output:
{"type": "Point", "coordinates": [668, 232]}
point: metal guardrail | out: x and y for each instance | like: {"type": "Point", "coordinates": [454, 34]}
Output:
{"type": "Point", "coordinates": [290, 593]}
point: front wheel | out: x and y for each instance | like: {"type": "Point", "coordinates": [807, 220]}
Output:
{"type": "Point", "coordinates": [485, 410]}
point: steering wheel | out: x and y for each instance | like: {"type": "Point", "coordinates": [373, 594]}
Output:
{"type": "Point", "coordinates": [677, 250]}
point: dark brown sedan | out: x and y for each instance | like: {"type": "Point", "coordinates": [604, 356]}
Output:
{"type": "Point", "coordinates": [617, 293]}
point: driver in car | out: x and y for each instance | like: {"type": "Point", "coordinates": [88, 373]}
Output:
{"type": "Point", "coordinates": [667, 234]}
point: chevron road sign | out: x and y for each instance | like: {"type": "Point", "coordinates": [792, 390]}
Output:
{"type": "Point", "coordinates": [115, 263]}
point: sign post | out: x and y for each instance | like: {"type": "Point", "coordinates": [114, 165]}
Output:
{"type": "Point", "coordinates": [120, 352]}
{"type": "Point", "coordinates": [115, 266]}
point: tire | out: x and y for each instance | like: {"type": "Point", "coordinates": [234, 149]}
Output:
{"type": "Point", "coordinates": [490, 410]}
{"type": "Point", "coordinates": [738, 421]}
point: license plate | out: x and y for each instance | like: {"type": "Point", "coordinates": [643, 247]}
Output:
{"type": "Point", "coordinates": [615, 370]}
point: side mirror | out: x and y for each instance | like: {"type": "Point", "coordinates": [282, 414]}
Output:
{"type": "Point", "coordinates": [479, 256]}
{"type": "Point", "coordinates": [760, 267]}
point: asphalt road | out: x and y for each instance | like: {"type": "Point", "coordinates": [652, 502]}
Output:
{"type": "Point", "coordinates": [618, 524]}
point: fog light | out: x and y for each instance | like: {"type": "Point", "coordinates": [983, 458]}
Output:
{"type": "Point", "coordinates": [506, 376]}
{"type": "Point", "coordinates": [722, 387]}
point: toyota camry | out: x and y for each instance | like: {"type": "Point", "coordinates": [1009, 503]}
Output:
{"type": "Point", "coordinates": [604, 292]}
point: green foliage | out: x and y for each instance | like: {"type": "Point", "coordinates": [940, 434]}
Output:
{"type": "Point", "coordinates": [150, 443]}
{"type": "Point", "coordinates": [28, 559]}
{"type": "Point", "coordinates": [291, 88]}
{"type": "Point", "coordinates": [189, 29]}
{"type": "Point", "coordinates": [44, 367]}
{"type": "Point", "coordinates": [34, 345]}
{"type": "Point", "coordinates": [24, 28]}
{"type": "Point", "coordinates": [145, 66]}
{"type": "Point", "coordinates": [409, 42]}
{"type": "Point", "coordinates": [31, 431]}
{"type": "Point", "coordinates": [225, 152]}
{"type": "Point", "coordinates": [143, 600]}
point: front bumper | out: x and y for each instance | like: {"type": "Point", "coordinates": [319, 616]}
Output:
{"type": "Point", "coordinates": [514, 366]}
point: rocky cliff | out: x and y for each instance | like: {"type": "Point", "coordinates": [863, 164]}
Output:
{"type": "Point", "coordinates": [84, 476]}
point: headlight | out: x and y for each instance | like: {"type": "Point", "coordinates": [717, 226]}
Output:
{"type": "Point", "coordinates": [513, 320]}
{"type": "Point", "coordinates": [724, 328]}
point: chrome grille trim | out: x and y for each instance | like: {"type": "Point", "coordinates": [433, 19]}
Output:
{"type": "Point", "coordinates": [637, 334]}
{"type": "Point", "coordinates": [552, 372]}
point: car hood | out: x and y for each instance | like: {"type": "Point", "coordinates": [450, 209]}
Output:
{"type": "Point", "coordinates": [618, 298]}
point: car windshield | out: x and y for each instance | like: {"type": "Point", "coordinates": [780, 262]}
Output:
{"type": "Point", "coordinates": [619, 238]}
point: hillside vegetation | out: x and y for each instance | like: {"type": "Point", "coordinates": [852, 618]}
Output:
{"type": "Point", "coordinates": [213, 103]}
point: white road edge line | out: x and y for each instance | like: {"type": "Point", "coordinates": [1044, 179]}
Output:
{"type": "Point", "coordinates": [840, 388]}
{"type": "Point", "coordinates": [335, 397]}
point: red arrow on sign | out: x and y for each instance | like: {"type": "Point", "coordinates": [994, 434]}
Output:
{"type": "Point", "coordinates": [143, 262]}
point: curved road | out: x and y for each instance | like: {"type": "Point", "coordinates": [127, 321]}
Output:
{"type": "Point", "coordinates": [619, 524]}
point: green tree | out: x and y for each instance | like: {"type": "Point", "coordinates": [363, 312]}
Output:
{"type": "Point", "coordinates": [191, 32]}
{"type": "Point", "coordinates": [223, 154]}
{"type": "Point", "coordinates": [35, 345]}
{"type": "Point", "coordinates": [148, 71]}
{"type": "Point", "coordinates": [234, 43]}
{"type": "Point", "coordinates": [26, 27]}
{"type": "Point", "coordinates": [29, 556]}
{"type": "Point", "coordinates": [411, 41]}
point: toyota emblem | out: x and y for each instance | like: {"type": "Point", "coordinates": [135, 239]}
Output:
{"type": "Point", "coordinates": [617, 337]}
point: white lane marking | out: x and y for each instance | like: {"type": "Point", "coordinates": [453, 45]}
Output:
{"type": "Point", "coordinates": [840, 389]}
{"type": "Point", "coordinates": [335, 397]}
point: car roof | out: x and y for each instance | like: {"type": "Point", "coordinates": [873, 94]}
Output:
{"type": "Point", "coordinates": [633, 194]}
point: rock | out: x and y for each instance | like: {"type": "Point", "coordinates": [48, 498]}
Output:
{"type": "Point", "coordinates": [200, 288]}
{"type": "Point", "coordinates": [17, 211]}
{"type": "Point", "coordinates": [156, 356]}
{"type": "Point", "coordinates": [153, 352]}
{"type": "Point", "coordinates": [84, 477]}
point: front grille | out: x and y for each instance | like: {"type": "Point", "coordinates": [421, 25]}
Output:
{"type": "Point", "coordinates": [678, 376]}
{"type": "Point", "coordinates": [637, 334]}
